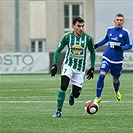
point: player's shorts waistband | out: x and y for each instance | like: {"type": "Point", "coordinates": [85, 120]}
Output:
{"type": "Point", "coordinates": [114, 62]}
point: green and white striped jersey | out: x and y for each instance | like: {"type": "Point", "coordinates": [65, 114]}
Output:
{"type": "Point", "coordinates": [76, 52]}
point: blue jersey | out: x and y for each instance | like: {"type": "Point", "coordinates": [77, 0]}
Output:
{"type": "Point", "coordinates": [116, 36]}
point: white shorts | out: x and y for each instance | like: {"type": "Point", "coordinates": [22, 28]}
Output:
{"type": "Point", "coordinates": [76, 77]}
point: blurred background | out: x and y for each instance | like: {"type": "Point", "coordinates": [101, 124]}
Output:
{"type": "Point", "coordinates": [30, 30]}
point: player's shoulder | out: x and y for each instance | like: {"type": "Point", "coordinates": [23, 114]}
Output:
{"type": "Point", "coordinates": [125, 30]}
{"type": "Point", "coordinates": [127, 33]}
{"type": "Point", "coordinates": [68, 33]}
{"type": "Point", "coordinates": [88, 35]}
{"type": "Point", "coordinates": [110, 28]}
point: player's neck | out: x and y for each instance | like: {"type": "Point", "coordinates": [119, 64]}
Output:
{"type": "Point", "coordinates": [78, 35]}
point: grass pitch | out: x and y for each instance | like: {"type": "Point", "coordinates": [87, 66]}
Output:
{"type": "Point", "coordinates": [27, 103]}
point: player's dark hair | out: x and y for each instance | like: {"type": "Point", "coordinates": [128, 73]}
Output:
{"type": "Point", "coordinates": [78, 19]}
{"type": "Point", "coordinates": [120, 15]}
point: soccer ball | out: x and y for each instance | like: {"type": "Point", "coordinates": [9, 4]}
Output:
{"type": "Point", "coordinates": [91, 107]}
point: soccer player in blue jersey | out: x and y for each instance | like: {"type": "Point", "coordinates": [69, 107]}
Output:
{"type": "Point", "coordinates": [74, 64]}
{"type": "Point", "coordinates": [118, 39]}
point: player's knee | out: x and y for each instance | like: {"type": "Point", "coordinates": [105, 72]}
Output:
{"type": "Point", "coordinates": [76, 91]}
{"type": "Point", "coordinates": [64, 82]}
{"type": "Point", "coordinates": [76, 94]}
{"type": "Point", "coordinates": [101, 77]}
{"type": "Point", "coordinates": [115, 81]}
{"type": "Point", "coordinates": [64, 86]}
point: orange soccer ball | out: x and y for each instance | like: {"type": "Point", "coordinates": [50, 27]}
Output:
{"type": "Point", "coordinates": [91, 107]}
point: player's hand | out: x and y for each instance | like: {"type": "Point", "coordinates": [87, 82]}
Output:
{"type": "Point", "coordinates": [117, 48]}
{"type": "Point", "coordinates": [96, 46]}
{"type": "Point", "coordinates": [53, 70]}
{"type": "Point", "coordinates": [90, 73]}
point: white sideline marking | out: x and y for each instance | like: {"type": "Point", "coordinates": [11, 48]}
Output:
{"type": "Point", "coordinates": [65, 101]}
{"type": "Point", "coordinates": [30, 79]}
{"type": "Point", "coordinates": [52, 96]}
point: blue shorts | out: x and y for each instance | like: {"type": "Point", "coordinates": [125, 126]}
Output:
{"type": "Point", "coordinates": [115, 69]}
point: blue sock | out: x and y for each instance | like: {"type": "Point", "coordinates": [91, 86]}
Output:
{"type": "Point", "coordinates": [116, 86]}
{"type": "Point", "coordinates": [100, 85]}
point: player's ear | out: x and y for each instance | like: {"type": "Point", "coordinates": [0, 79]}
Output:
{"type": "Point", "coordinates": [73, 26]}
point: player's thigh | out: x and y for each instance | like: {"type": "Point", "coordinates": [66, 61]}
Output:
{"type": "Point", "coordinates": [67, 71]}
{"type": "Point", "coordinates": [116, 70]}
{"type": "Point", "coordinates": [64, 82]}
{"type": "Point", "coordinates": [105, 66]}
{"type": "Point", "coordinates": [65, 77]}
{"type": "Point", "coordinates": [78, 79]}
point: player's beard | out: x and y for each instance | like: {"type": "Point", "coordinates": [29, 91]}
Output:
{"type": "Point", "coordinates": [80, 33]}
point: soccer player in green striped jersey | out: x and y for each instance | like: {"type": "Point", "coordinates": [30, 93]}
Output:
{"type": "Point", "coordinates": [74, 64]}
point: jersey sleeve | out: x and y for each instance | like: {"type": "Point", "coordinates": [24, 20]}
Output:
{"type": "Point", "coordinates": [92, 52]}
{"type": "Point", "coordinates": [60, 47]}
{"type": "Point", "coordinates": [129, 42]}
